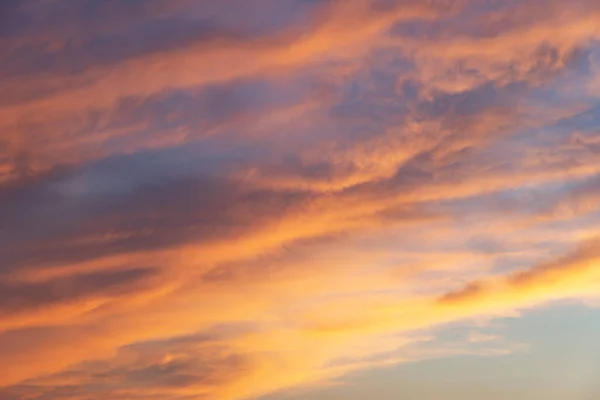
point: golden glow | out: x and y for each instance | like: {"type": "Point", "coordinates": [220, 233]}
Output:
{"type": "Point", "coordinates": [230, 214]}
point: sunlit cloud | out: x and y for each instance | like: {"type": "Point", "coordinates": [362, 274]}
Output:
{"type": "Point", "coordinates": [230, 199]}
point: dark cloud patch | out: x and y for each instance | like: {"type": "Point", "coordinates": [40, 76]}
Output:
{"type": "Point", "coordinates": [415, 173]}
{"type": "Point", "coordinates": [473, 102]}
{"type": "Point", "coordinates": [94, 33]}
{"type": "Point", "coordinates": [548, 272]}
{"type": "Point", "coordinates": [19, 297]}
{"type": "Point", "coordinates": [149, 38]}
{"type": "Point", "coordinates": [571, 200]}
{"type": "Point", "coordinates": [12, 20]}
{"type": "Point", "coordinates": [589, 187]}
{"type": "Point", "coordinates": [484, 19]}
{"type": "Point", "coordinates": [195, 111]}
{"type": "Point", "coordinates": [550, 61]}
{"type": "Point", "coordinates": [206, 370]}
{"type": "Point", "coordinates": [586, 121]}
{"type": "Point", "coordinates": [378, 92]}
{"type": "Point", "coordinates": [469, 292]}
{"type": "Point", "coordinates": [140, 202]}
{"type": "Point", "coordinates": [291, 166]}
{"type": "Point", "coordinates": [162, 370]}
{"type": "Point", "coordinates": [62, 19]}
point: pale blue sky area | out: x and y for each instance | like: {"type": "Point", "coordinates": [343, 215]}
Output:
{"type": "Point", "coordinates": [563, 362]}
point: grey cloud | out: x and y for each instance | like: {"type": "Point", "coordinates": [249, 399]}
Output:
{"type": "Point", "coordinates": [157, 203]}
{"type": "Point", "coordinates": [19, 297]}
{"type": "Point", "coordinates": [110, 32]}
{"type": "Point", "coordinates": [140, 121]}
{"type": "Point", "coordinates": [151, 37]}
{"type": "Point", "coordinates": [471, 291]}
{"type": "Point", "coordinates": [586, 121]}
{"type": "Point", "coordinates": [155, 369]}
{"type": "Point", "coordinates": [11, 21]}
{"type": "Point", "coordinates": [546, 272]}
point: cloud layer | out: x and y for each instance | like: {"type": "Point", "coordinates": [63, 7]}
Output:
{"type": "Point", "coordinates": [227, 199]}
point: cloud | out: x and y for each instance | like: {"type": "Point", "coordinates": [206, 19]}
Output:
{"type": "Point", "coordinates": [223, 200]}
{"type": "Point", "coordinates": [17, 297]}
{"type": "Point", "coordinates": [573, 274]}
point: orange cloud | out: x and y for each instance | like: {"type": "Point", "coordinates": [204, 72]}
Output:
{"type": "Point", "coordinates": [220, 213]}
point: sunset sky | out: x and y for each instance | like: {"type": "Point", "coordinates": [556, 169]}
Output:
{"type": "Point", "coordinates": [299, 199]}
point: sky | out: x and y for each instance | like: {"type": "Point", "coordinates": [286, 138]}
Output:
{"type": "Point", "coordinates": [299, 199]}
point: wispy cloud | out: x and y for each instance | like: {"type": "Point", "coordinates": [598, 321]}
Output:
{"type": "Point", "coordinates": [225, 199]}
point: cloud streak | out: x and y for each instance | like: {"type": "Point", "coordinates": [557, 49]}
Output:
{"type": "Point", "coordinates": [224, 200]}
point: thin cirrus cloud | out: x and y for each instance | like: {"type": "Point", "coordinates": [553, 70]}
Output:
{"type": "Point", "coordinates": [229, 199]}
